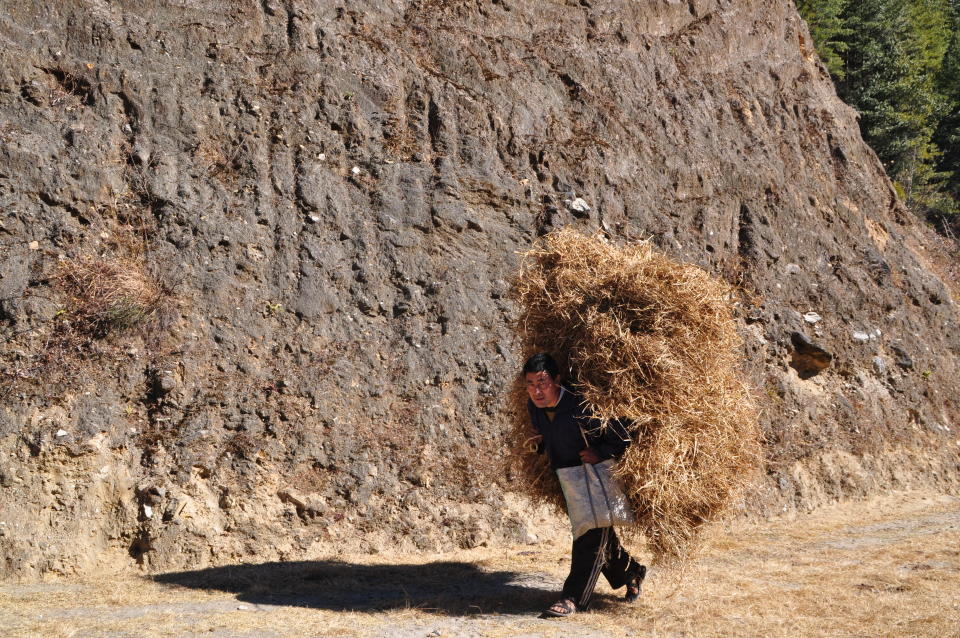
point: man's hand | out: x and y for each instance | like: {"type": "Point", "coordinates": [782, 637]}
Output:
{"type": "Point", "coordinates": [533, 443]}
{"type": "Point", "coordinates": [589, 456]}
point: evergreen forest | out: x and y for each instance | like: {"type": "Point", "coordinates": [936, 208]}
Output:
{"type": "Point", "coordinates": [898, 63]}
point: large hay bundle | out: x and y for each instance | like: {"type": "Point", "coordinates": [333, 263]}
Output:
{"type": "Point", "coordinates": [653, 340]}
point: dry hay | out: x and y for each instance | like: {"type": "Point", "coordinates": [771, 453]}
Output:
{"type": "Point", "coordinates": [652, 340]}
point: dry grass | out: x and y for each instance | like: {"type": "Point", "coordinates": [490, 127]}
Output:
{"type": "Point", "coordinates": [651, 340]}
{"type": "Point", "coordinates": [100, 297]}
{"type": "Point", "coordinates": [888, 567]}
{"type": "Point", "coordinates": [106, 295]}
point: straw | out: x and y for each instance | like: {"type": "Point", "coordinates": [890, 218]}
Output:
{"type": "Point", "coordinates": [652, 340]}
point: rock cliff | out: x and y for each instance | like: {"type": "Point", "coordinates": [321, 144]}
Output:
{"type": "Point", "coordinates": [253, 261]}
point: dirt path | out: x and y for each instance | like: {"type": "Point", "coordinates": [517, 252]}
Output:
{"type": "Point", "coordinates": [885, 567]}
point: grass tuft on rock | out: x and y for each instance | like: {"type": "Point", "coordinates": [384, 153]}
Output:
{"type": "Point", "coordinates": [652, 340]}
{"type": "Point", "coordinates": [108, 295]}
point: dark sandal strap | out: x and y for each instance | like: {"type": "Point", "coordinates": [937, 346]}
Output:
{"type": "Point", "coordinates": [560, 609]}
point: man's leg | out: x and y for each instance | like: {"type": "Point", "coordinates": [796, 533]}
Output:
{"type": "Point", "coordinates": [620, 566]}
{"type": "Point", "coordinates": [586, 562]}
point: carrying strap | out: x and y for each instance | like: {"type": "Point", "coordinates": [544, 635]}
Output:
{"type": "Point", "coordinates": [584, 435]}
{"type": "Point", "coordinates": [586, 485]}
{"type": "Point", "coordinates": [586, 470]}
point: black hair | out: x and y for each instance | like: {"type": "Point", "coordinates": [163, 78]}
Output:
{"type": "Point", "coordinates": [542, 362]}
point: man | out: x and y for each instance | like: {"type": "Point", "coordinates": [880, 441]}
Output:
{"type": "Point", "coordinates": [570, 436]}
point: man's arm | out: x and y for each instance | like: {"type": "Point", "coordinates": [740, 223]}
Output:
{"type": "Point", "coordinates": [535, 442]}
{"type": "Point", "coordinates": [605, 443]}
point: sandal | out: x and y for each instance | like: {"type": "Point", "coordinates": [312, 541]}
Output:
{"type": "Point", "coordinates": [560, 609]}
{"type": "Point", "coordinates": [633, 584]}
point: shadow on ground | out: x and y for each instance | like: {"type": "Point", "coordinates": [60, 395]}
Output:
{"type": "Point", "coordinates": [446, 588]}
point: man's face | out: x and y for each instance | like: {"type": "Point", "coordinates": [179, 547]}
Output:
{"type": "Point", "coordinates": [544, 391]}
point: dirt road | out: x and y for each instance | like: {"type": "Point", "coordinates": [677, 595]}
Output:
{"type": "Point", "coordinates": [885, 567]}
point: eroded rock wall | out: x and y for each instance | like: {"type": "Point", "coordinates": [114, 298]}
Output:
{"type": "Point", "coordinates": [333, 196]}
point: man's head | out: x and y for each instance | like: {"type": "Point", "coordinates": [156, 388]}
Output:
{"type": "Point", "coordinates": [543, 380]}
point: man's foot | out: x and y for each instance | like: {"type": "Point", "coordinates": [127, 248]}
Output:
{"type": "Point", "coordinates": [560, 609]}
{"type": "Point", "coordinates": [633, 584]}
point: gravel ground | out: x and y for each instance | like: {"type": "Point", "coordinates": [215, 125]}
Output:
{"type": "Point", "coordinates": [885, 567]}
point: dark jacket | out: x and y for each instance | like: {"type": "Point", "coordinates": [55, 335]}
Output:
{"type": "Point", "coordinates": [562, 440]}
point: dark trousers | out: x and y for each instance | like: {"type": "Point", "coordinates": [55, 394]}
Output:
{"type": "Point", "coordinates": [597, 552]}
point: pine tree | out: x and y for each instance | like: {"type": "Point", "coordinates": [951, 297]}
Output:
{"type": "Point", "coordinates": [898, 63]}
{"type": "Point", "coordinates": [895, 52]}
{"type": "Point", "coordinates": [925, 42]}
{"type": "Point", "coordinates": [947, 136]}
{"type": "Point", "coordinates": [877, 78]}
{"type": "Point", "coordinates": [825, 19]}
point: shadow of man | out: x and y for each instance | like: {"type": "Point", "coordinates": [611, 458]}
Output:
{"type": "Point", "coordinates": [445, 588]}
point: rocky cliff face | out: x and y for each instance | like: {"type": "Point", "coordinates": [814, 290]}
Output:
{"type": "Point", "coordinates": [309, 211]}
